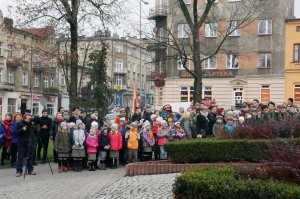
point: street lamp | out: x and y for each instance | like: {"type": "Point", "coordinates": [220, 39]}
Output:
{"type": "Point", "coordinates": [146, 3]}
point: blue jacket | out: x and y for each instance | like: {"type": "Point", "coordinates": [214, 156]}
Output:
{"type": "Point", "coordinates": [229, 128]}
{"type": "Point", "coordinates": [2, 134]}
{"type": "Point", "coordinates": [12, 130]}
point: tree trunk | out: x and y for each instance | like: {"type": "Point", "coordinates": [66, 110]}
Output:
{"type": "Point", "coordinates": [73, 94]}
{"type": "Point", "coordinates": [197, 96]}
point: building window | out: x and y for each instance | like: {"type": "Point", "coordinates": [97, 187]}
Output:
{"type": "Point", "coordinates": [233, 61]}
{"type": "Point", "coordinates": [36, 81]}
{"type": "Point", "coordinates": [264, 27]}
{"type": "Point", "coordinates": [186, 94]}
{"type": "Point", "coordinates": [119, 80]}
{"type": "Point", "coordinates": [265, 93]}
{"type": "Point", "coordinates": [298, 29]}
{"type": "Point", "coordinates": [207, 93]}
{"type": "Point", "coordinates": [264, 60]}
{"type": "Point", "coordinates": [119, 49]}
{"type": "Point", "coordinates": [183, 31]}
{"type": "Point", "coordinates": [180, 64]}
{"type": "Point", "coordinates": [119, 64]}
{"type": "Point", "coordinates": [35, 108]}
{"type": "Point", "coordinates": [297, 93]}
{"type": "Point", "coordinates": [234, 28]}
{"type": "Point", "coordinates": [11, 105]}
{"type": "Point", "coordinates": [52, 82]}
{"type": "Point", "coordinates": [11, 79]}
{"type": "Point", "coordinates": [296, 52]}
{"type": "Point", "coordinates": [9, 51]}
{"type": "Point", "coordinates": [1, 73]}
{"type": "Point", "coordinates": [211, 63]}
{"type": "Point", "coordinates": [62, 80]}
{"type": "Point", "coordinates": [24, 79]}
{"type": "Point", "coordinates": [46, 83]}
{"type": "Point", "coordinates": [211, 30]}
{"type": "Point", "coordinates": [1, 48]}
{"type": "Point", "coordinates": [50, 109]}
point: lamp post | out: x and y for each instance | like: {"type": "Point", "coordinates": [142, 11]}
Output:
{"type": "Point", "coordinates": [140, 93]}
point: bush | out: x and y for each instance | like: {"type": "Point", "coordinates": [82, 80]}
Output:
{"type": "Point", "coordinates": [219, 150]}
{"type": "Point", "coordinates": [266, 130]}
{"type": "Point", "coordinates": [222, 183]}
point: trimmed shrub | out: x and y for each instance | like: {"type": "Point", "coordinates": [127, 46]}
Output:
{"type": "Point", "coordinates": [219, 150]}
{"type": "Point", "coordinates": [223, 183]}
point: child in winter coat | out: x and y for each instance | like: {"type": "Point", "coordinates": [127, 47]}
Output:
{"type": "Point", "coordinates": [229, 127]}
{"type": "Point", "coordinates": [62, 146]}
{"type": "Point", "coordinates": [103, 147]}
{"type": "Point", "coordinates": [132, 136]}
{"type": "Point", "coordinates": [92, 145]}
{"type": "Point", "coordinates": [148, 141]}
{"type": "Point", "coordinates": [115, 142]}
{"type": "Point", "coordinates": [155, 128]}
{"type": "Point", "coordinates": [177, 133]}
{"type": "Point", "coordinates": [163, 136]}
{"type": "Point", "coordinates": [78, 140]}
{"type": "Point", "coordinates": [218, 126]}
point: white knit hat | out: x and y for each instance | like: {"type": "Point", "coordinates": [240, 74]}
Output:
{"type": "Point", "coordinates": [114, 126]}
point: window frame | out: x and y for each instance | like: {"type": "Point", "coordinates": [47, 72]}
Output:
{"type": "Point", "coordinates": [294, 54]}
{"type": "Point", "coordinates": [209, 30]}
{"type": "Point", "coordinates": [265, 59]}
{"type": "Point", "coordinates": [265, 88]}
{"type": "Point", "coordinates": [46, 82]}
{"type": "Point", "coordinates": [184, 32]}
{"type": "Point", "coordinates": [24, 78]}
{"type": "Point", "coordinates": [237, 31]}
{"type": "Point", "coordinates": [207, 63]}
{"type": "Point", "coordinates": [230, 66]}
{"type": "Point", "coordinates": [190, 93]}
{"type": "Point", "coordinates": [205, 89]}
{"type": "Point", "coordinates": [36, 81]}
{"type": "Point", "coordinates": [11, 78]}
{"type": "Point", "coordinates": [296, 87]}
{"type": "Point", "coordinates": [266, 26]}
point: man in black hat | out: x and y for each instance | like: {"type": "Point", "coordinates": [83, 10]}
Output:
{"type": "Point", "coordinates": [43, 140]}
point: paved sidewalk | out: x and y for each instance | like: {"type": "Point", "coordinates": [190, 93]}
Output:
{"type": "Point", "coordinates": [73, 185]}
{"type": "Point", "coordinates": [140, 187]}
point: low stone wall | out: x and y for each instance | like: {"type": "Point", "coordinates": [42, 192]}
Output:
{"type": "Point", "coordinates": [164, 167]}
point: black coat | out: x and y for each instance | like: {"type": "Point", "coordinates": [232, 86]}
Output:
{"type": "Point", "coordinates": [212, 120]}
{"type": "Point", "coordinates": [23, 136]}
{"type": "Point", "coordinates": [45, 121]}
{"type": "Point", "coordinates": [201, 125]}
{"type": "Point", "coordinates": [103, 141]}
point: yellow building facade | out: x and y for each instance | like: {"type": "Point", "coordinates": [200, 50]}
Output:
{"type": "Point", "coordinates": [292, 60]}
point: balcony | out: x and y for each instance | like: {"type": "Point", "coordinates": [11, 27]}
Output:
{"type": "Point", "coordinates": [120, 87]}
{"type": "Point", "coordinates": [156, 45]}
{"type": "Point", "coordinates": [13, 62]}
{"type": "Point", "coordinates": [156, 75]}
{"type": "Point", "coordinates": [120, 71]}
{"type": "Point", "coordinates": [158, 12]}
{"type": "Point", "coordinates": [38, 66]}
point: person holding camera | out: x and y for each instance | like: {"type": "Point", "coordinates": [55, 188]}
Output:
{"type": "Point", "coordinates": [26, 135]}
{"type": "Point", "coordinates": [43, 140]}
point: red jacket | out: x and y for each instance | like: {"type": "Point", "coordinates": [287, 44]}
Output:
{"type": "Point", "coordinates": [115, 141]}
{"type": "Point", "coordinates": [92, 144]}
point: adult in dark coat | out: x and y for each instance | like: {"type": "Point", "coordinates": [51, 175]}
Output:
{"type": "Point", "coordinates": [26, 136]}
{"type": "Point", "coordinates": [76, 115]}
{"type": "Point", "coordinates": [212, 120]}
{"type": "Point", "coordinates": [202, 122]}
{"type": "Point", "coordinates": [44, 135]}
{"type": "Point", "coordinates": [147, 114]}
{"type": "Point", "coordinates": [137, 116]}
{"type": "Point", "coordinates": [54, 130]}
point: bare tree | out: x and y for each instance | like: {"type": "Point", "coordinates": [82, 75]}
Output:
{"type": "Point", "coordinates": [70, 16]}
{"type": "Point", "coordinates": [195, 47]}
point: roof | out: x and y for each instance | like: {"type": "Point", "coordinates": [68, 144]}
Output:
{"type": "Point", "coordinates": [292, 20]}
{"type": "Point", "coordinates": [41, 32]}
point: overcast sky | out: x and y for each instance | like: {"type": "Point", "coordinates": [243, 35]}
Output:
{"type": "Point", "coordinates": [130, 25]}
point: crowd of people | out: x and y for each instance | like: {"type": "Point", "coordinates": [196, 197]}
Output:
{"type": "Point", "coordinates": [95, 143]}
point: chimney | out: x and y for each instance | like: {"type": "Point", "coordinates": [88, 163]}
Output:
{"type": "Point", "coordinates": [9, 23]}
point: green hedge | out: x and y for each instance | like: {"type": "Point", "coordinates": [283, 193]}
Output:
{"type": "Point", "coordinates": [220, 183]}
{"type": "Point", "coordinates": [214, 150]}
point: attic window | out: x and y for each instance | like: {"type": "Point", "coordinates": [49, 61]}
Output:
{"type": "Point", "coordinates": [298, 29]}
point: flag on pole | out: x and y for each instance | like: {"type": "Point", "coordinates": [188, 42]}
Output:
{"type": "Point", "coordinates": [134, 98]}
